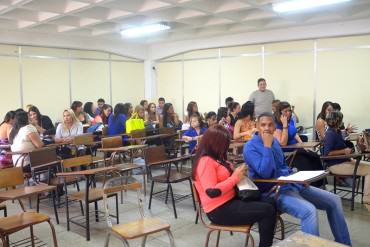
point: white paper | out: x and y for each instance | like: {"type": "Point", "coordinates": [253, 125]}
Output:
{"type": "Point", "coordinates": [246, 184]}
{"type": "Point", "coordinates": [302, 176]}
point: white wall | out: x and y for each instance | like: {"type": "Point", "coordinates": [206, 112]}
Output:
{"type": "Point", "coordinates": [305, 73]}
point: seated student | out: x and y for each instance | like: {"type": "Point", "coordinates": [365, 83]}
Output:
{"type": "Point", "coordinates": [321, 126]}
{"type": "Point", "coordinates": [23, 138]}
{"type": "Point", "coordinates": [161, 102]}
{"type": "Point", "coordinates": [106, 110]}
{"type": "Point", "coordinates": [345, 130]}
{"type": "Point", "coordinates": [265, 160]}
{"type": "Point", "coordinates": [151, 117]}
{"type": "Point", "coordinates": [195, 131]}
{"type": "Point", "coordinates": [335, 145]}
{"type": "Point", "coordinates": [43, 123]}
{"type": "Point", "coordinates": [211, 119]}
{"type": "Point", "coordinates": [286, 134]}
{"type": "Point", "coordinates": [233, 109]}
{"type": "Point", "coordinates": [245, 126]}
{"type": "Point", "coordinates": [69, 128]}
{"type": "Point", "coordinates": [144, 103]}
{"type": "Point", "coordinates": [190, 109]}
{"type": "Point", "coordinates": [139, 112]}
{"type": "Point", "coordinates": [215, 179]}
{"type": "Point", "coordinates": [76, 106]}
{"type": "Point", "coordinates": [222, 119]}
{"type": "Point", "coordinates": [169, 119]}
{"type": "Point", "coordinates": [228, 101]}
{"type": "Point", "coordinates": [6, 126]}
{"type": "Point", "coordinates": [117, 120]}
{"type": "Point", "coordinates": [275, 104]}
{"type": "Point", "coordinates": [101, 103]}
{"type": "Point", "coordinates": [129, 109]}
{"type": "Point", "coordinates": [90, 109]}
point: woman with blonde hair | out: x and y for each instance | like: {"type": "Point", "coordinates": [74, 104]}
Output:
{"type": "Point", "coordinates": [69, 128]}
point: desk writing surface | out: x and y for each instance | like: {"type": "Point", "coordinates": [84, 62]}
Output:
{"type": "Point", "coordinates": [122, 149]}
{"type": "Point", "coordinates": [87, 172]}
{"type": "Point", "coordinates": [303, 145]}
{"type": "Point", "coordinates": [25, 191]}
{"type": "Point", "coordinates": [300, 239]}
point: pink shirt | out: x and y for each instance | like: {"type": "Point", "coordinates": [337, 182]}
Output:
{"type": "Point", "coordinates": [212, 175]}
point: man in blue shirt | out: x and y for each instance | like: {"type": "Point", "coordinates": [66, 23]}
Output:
{"type": "Point", "coordinates": [265, 159]}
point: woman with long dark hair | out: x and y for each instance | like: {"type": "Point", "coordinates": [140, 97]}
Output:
{"type": "Point", "coordinates": [90, 108]}
{"type": "Point", "coordinates": [234, 109]}
{"type": "Point", "coordinates": [42, 123]}
{"type": "Point", "coordinates": [6, 125]}
{"type": "Point", "coordinates": [169, 118]}
{"type": "Point", "coordinates": [215, 179]}
{"type": "Point", "coordinates": [82, 116]}
{"type": "Point", "coordinates": [24, 138]}
{"type": "Point", "coordinates": [321, 126]}
{"type": "Point", "coordinates": [117, 120]}
{"type": "Point", "coordinates": [151, 117]}
{"type": "Point", "coordinates": [105, 112]}
{"type": "Point", "coordinates": [245, 126]}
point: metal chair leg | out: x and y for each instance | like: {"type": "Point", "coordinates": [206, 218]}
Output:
{"type": "Point", "coordinates": [208, 236]}
{"type": "Point", "coordinates": [53, 234]}
{"type": "Point", "coordinates": [192, 195]}
{"type": "Point", "coordinates": [106, 243]}
{"type": "Point", "coordinates": [32, 236]}
{"type": "Point", "coordinates": [151, 194]}
{"type": "Point", "coordinates": [117, 209]}
{"type": "Point", "coordinates": [96, 211]}
{"type": "Point", "coordinates": [173, 202]}
{"type": "Point", "coordinates": [143, 241]}
{"type": "Point", "coordinates": [170, 236]}
{"type": "Point", "coordinates": [168, 188]}
{"type": "Point", "coordinates": [247, 240]}
{"type": "Point", "coordinates": [218, 238]}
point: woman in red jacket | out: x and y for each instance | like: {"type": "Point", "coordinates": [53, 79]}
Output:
{"type": "Point", "coordinates": [215, 179]}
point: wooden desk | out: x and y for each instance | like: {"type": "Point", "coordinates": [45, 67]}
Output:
{"type": "Point", "coordinates": [300, 239]}
{"type": "Point", "coordinates": [88, 174]}
{"type": "Point", "coordinates": [302, 145]}
{"type": "Point", "coordinates": [146, 138]}
{"type": "Point", "coordinates": [123, 149]}
{"type": "Point", "coordinates": [28, 191]}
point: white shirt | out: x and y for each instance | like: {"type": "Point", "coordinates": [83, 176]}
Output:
{"type": "Point", "coordinates": [22, 143]}
{"type": "Point", "coordinates": [63, 132]}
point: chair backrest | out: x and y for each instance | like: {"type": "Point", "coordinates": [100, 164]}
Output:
{"type": "Point", "coordinates": [85, 139]}
{"type": "Point", "coordinates": [169, 131]}
{"type": "Point", "coordinates": [155, 154]}
{"type": "Point", "coordinates": [77, 161]}
{"type": "Point", "coordinates": [199, 204]}
{"type": "Point", "coordinates": [104, 131]}
{"type": "Point", "coordinates": [11, 177]}
{"type": "Point", "coordinates": [118, 184]}
{"type": "Point", "coordinates": [138, 133]}
{"type": "Point", "coordinates": [111, 142]}
{"type": "Point", "coordinates": [43, 157]}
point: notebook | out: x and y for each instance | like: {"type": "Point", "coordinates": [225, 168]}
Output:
{"type": "Point", "coordinates": [304, 176]}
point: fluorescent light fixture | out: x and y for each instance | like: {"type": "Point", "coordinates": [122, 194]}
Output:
{"type": "Point", "coordinates": [296, 5]}
{"type": "Point", "coordinates": [144, 30]}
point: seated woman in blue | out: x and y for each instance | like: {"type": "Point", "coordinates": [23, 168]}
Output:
{"type": "Point", "coordinates": [195, 132]}
{"type": "Point", "coordinates": [117, 120]}
{"type": "Point", "coordinates": [334, 144]}
{"type": "Point", "coordinates": [285, 132]}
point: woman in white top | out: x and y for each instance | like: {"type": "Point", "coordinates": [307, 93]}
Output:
{"type": "Point", "coordinates": [24, 138]}
{"type": "Point", "coordinates": [70, 127]}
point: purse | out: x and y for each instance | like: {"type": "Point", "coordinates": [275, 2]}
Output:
{"type": "Point", "coordinates": [134, 123]}
{"type": "Point", "coordinates": [247, 191]}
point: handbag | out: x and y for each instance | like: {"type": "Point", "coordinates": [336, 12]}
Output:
{"type": "Point", "coordinates": [247, 191]}
{"type": "Point", "coordinates": [134, 123]}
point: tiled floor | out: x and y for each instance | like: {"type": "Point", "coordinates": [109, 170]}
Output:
{"type": "Point", "coordinates": [186, 233]}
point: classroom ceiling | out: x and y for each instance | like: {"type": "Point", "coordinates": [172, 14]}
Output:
{"type": "Point", "coordinates": [189, 19]}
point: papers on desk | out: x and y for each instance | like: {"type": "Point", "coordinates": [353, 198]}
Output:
{"type": "Point", "coordinates": [303, 176]}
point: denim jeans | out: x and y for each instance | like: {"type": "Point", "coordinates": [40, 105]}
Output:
{"type": "Point", "coordinates": [303, 204]}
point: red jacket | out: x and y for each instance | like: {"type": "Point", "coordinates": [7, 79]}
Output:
{"type": "Point", "coordinates": [212, 175]}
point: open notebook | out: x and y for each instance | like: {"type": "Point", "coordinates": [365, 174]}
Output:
{"type": "Point", "coordinates": [304, 176]}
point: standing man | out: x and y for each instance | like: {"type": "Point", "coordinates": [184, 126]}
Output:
{"type": "Point", "coordinates": [161, 102]}
{"type": "Point", "coordinates": [262, 98]}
